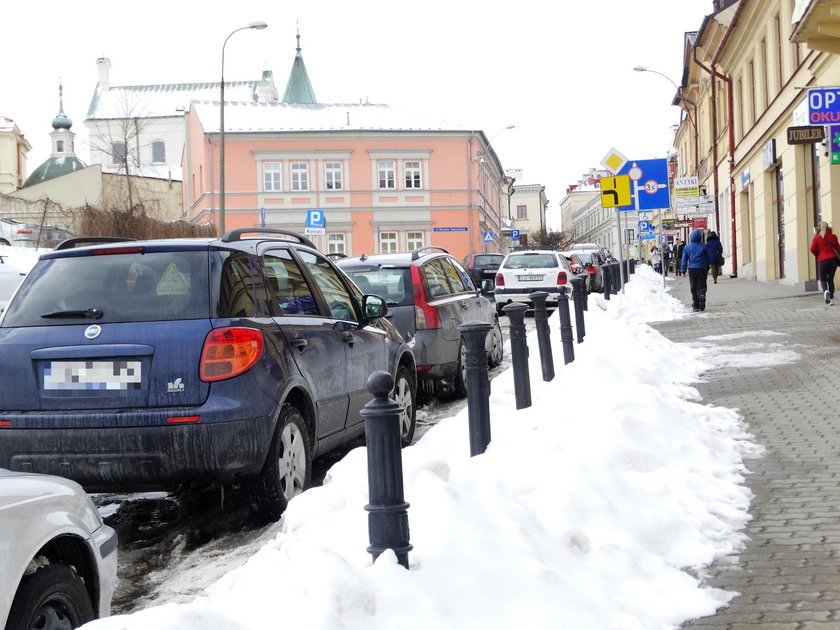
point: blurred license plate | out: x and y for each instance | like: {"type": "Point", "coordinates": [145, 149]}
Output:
{"type": "Point", "coordinates": [92, 375]}
{"type": "Point", "coordinates": [529, 277]}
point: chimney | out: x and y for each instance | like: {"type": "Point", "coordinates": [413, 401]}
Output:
{"type": "Point", "coordinates": [103, 65]}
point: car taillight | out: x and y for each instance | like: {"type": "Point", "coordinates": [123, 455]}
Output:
{"type": "Point", "coordinates": [591, 270]}
{"type": "Point", "coordinates": [425, 315]}
{"type": "Point", "coordinates": [228, 352]}
{"type": "Point", "coordinates": [561, 278]}
{"type": "Point", "coordinates": [500, 280]}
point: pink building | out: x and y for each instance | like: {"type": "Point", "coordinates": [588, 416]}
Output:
{"type": "Point", "coordinates": [385, 179]}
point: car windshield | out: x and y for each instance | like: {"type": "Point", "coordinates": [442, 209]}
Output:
{"type": "Point", "coordinates": [533, 261]}
{"type": "Point", "coordinates": [130, 287]}
{"type": "Point", "coordinates": [391, 283]}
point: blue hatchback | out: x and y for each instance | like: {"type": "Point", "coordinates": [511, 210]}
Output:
{"type": "Point", "coordinates": [146, 364]}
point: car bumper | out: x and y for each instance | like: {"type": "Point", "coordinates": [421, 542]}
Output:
{"type": "Point", "coordinates": [503, 296]}
{"type": "Point", "coordinates": [139, 457]}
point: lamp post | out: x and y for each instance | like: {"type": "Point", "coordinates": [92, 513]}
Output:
{"type": "Point", "coordinates": [258, 26]}
{"type": "Point", "coordinates": [482, 175]}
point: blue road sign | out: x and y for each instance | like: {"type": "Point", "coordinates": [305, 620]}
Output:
{"type": "Point", "coordinates": [823, 106]}
{"type": "Point", "coordinates": [450, 229]}
{"type": "Point", "coordinates": [648, 184]}
{"type": "Point", "coordinates": [514, 235]}
{"type": "Point", "coordinates": [488, 237]}
{"type": "Point", "coordinates": [645, 226]}
{"type": "Point", "coordinates": [315, 218]}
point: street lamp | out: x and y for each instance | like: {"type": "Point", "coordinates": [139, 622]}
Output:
{"type": "Point", "coordinates": [682, 98]}
{"type": "Point", "coordinates": [259, 26]}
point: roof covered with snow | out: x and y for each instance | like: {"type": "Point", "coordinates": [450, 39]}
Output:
{"type": "Point", "coordinates": [275, 117]}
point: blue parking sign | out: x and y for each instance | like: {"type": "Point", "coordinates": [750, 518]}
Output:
{"type": "Point", "coordinates": [514, 235]}
{"type": "Point", "coordinates": [315, 218]}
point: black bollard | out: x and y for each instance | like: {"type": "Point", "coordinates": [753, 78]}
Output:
{"type": "Point", "coordinates": [543, 334]}
{"type": "Point", "coordinates": [474, 335]}
{"type": "Point", "coordinates": [616, 283]}
{"type": "Point", "coordinates": [387, 510]}
{"type": "Point", "coordinates": [607, 272]}
{"type": "Point", "coordinates": [632, 266]}
{"type": "Point", "coordinates": [515, 312]}
{"type": "Point", "coordinates": [578, 297]}
{"type": "Point", "coordinates": [565, 326]}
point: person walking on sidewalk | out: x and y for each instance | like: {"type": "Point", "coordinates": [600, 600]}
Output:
{"type": "Point", "coordinates": [695, 260]}
{"type": "Point", "coordinates": [715, 249]}
{"type": "Point", "coordinates": [823, 246]}
{"type": "Point", "coordinates": [656, 259]}
{"type": "Point", "coordinates": [679, 254]}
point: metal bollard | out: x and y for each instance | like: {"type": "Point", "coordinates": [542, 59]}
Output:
{"type": "Point", "coordinates": [616, 278]}
{"type": "Point", "coordinates": [387, 510]}
{"type": "Point", "coordinates": [607, 272]}
{"type": "Point", "coordinates": [632, 266]}
{"type": "Point", "coordinates": [519, 353]}
{"type": "Point", "coordinates": [565, 326]}
{"type": "Point", "coordinates": [543, 334]}
{"type": "Point", "coordinates": [474, 335]}
{"type": "Point", "coordinates": [578, 297]}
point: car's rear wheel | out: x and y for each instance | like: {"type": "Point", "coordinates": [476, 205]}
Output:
{"type": "Point", "coordinates": [497, 348]}
{"type": "Point", "coordinates": [52, 598]}
{"type": "Point", "coordinates": [405, 396]}
{"type": "Point", "coordinates": [288, 468]}
{"type": "Point", "coordinates": [461, 372]}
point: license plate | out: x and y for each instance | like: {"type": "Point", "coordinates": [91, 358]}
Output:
{"type": "Point", "coordinates": [529, 278]}
{"type": "Point", "coordinates": [92, 375]}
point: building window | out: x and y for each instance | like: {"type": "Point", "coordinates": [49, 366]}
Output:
{"type": "Point", "coordinates": [521, 212]}
{"type": "Point", "coordinates": [387, 242]}
{"type": "Point", "coordinates": [332, 175]}
{"type": "Point", "coordinates": [414, 240]}
{"type": "Point", "coordinates": [300, 176]}
{"type": "Point", "coordinates": [336, 244]}
{"type": "Point", "coordinates": [412, 174]}
{"type": "Point", "coordinates": [386, 174]}
{"type": "Point", "coordinates": [59, 146]}
{"type": "Point", "coordinates": [118, 152]}
{"type": "Point", "coordinates": [271, 177]}
{"type": "Point", "coordinates": [158, 152]}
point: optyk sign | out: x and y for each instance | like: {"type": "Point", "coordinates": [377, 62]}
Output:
{"type": "Point", "coordinates": [824, 106]}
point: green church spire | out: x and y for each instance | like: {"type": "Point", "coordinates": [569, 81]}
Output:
{"type": "Point", "coordinates": [299, 89]}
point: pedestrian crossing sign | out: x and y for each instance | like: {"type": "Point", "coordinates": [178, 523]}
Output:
{"type": "Point", "coordinates": [488, 237]}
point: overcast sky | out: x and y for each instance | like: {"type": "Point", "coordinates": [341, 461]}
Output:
{"type": "Point", "coordinates": [562, 73]}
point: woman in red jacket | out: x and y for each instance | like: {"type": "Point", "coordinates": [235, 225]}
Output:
{"type": "Point", "coordinates": [823, 247]}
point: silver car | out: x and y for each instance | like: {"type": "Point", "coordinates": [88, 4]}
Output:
{"type": "Point", "coordinates": [58, 558]}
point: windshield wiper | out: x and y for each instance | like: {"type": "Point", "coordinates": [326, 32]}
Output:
{"type": "Point", "coordinates": [90, 313]}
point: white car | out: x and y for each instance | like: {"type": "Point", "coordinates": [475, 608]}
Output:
{"type": "Point", "coordinates": [58, 558]}
{"type": "Point", "coordinates": [525, 271]}
{"type": "Point", "coordinates": [10, 278]}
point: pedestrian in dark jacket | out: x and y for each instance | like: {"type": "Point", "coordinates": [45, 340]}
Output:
{"type": "Point", "coordinates": [823, 246]}
{"type": "Point", "coordinates": [679, 253]}
{"type": "Point", "coordinates": [695, 260]}
{"type": "Point", "coordinates": [715, 250]}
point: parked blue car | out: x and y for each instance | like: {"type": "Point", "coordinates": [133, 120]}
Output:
{"type": "Point", "coordinates": [147, 364]}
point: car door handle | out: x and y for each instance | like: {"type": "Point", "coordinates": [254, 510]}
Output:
{"type": "Point", "coordinates": [464, 304]}
{"type": "Point", "coordinates": [299, 343]}
{"type": "Point", "coordinates": [347, 337]}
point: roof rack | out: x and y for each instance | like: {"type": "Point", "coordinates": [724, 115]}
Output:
{"type": "Point", "coordinates": [336, 255]}
{"type": "Point", "coordinates": [70, 243]}
{"type": "Point", "coordinates": [415, 254]}
{"type": "Point", "coordinates": [236, 235]}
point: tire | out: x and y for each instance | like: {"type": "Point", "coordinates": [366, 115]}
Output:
{"type": "Point", "coordinates": [461, 371]}
{"type": "Point", "coordinates": [52, 598]}
{"type": "Point", "coordinates": [497, 347]}
{"type": "Point", "coordinates": [405, 394]}
{"type": "Point", "coordinates": [288, 468]}
{"type": "Point", "coordinates": [499, 310]}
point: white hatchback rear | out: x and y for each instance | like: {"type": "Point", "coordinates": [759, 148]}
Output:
{"type": "Point", "coordinates": [524, 272]}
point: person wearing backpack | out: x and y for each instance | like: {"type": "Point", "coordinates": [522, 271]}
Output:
{"type": "Point", "coordinates": [824, 246]}
{"type": "Point", "coordinates": [695, 260]}
{"type": "Point", "coordinates": [715, 249]}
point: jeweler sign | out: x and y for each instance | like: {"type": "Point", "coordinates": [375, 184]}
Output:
{"type": "Point", "coordinates": [807, 134]}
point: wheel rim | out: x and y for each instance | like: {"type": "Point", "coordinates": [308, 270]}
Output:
{"type": "Point", "coordinates": [292, 461]}
{"type": "Point", "coordinates": [496, 349]}
{"type": "Point", "coordinates": [52, 615]}
{"type": "Point", "coordinates": [402, 396]}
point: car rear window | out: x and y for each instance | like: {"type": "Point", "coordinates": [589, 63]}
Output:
{"type": "Point", "coordinates": [489, 259]}
{"type": "Point", "coordinates": [126, 287]}
{"type": "Point", "coordinates": [534, 261]}
{"type": "Point", "coordinates": [391, 283]}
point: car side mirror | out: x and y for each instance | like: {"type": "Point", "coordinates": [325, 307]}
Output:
{"type": "Point", "coordinates": [374, 307]}
{"type": "Point", "coordinates": [488, 286]}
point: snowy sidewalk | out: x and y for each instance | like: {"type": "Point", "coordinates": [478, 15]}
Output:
{"type": "Point", "coordinates": [784, 382]}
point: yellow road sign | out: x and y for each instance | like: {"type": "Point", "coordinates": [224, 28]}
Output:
{"type": "Point", "coordinates": [615, 191]}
